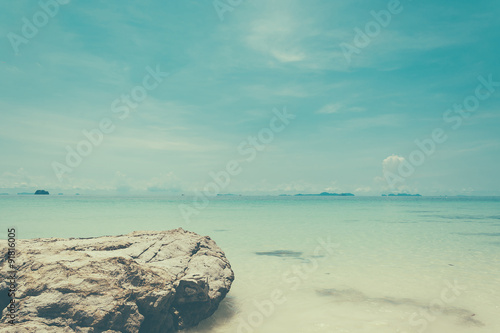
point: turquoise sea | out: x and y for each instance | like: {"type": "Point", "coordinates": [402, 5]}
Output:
{"type": "Point", "coordinates": [316, 264]}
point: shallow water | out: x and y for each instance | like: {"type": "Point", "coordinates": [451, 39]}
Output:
{"type": "Point", "coordinates": [315, 264]}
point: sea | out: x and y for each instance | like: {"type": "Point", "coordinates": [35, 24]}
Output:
{"type": "Point", "coordinates": [315, 264]}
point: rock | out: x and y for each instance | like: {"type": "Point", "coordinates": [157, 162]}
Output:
{"type": "Point", "coordinates": [41, 192]}
{"type": "Point", "coordinates": [141, 282]}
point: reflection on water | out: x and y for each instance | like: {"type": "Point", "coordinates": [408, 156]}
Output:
{"type": "Point", "coordinates": [280, 253]}
{"type": "Point", "coordinates": [351, 295]}
{"type": "Point", "coordinates": [227, 311]}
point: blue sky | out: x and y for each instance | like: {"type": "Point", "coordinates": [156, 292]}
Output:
{"type": "Point", "coordinates": [355, 121]}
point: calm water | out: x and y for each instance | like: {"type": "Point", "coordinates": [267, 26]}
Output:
{"type": "Point", "coordinates": [393, 264]}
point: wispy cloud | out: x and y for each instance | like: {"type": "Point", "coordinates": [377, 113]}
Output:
{"type": "Point", "coordinates": [360, 123]}
{"type": "Point", "coordinates": [338, 107]}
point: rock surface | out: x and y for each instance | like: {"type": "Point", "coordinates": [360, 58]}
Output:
{"type": "Point", "coordinates": [141, 282]}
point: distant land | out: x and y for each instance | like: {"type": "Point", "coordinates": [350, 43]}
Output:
{"type": "Point", "coordinates": [401, 195]}
{"type": "Point", "coordinates": [38, 192]}
{"type": "Point", "coordinates": [41, 192]}
{"type": "Point", "coordinates": [323, 194]}
{"type": "Point", "coordinates": [326, 194]}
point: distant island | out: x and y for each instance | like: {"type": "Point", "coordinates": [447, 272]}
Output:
{"type": "Point", "coordinates": [41, 192]}
{"type": "Point", "coordinates": [326, 194]}
{"type": "Point", "coordinates": [401, 195]}
{"type": "Point", "coordinates": [38, 192]}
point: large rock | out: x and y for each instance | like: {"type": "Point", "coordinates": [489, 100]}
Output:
{"type": "Point", "coordinates": [141, 282]}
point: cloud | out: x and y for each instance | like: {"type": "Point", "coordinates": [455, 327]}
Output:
{"type": "Point", "coordinates": [330, 108]}
{"type": "Point", "coordinates": [122, 182]}
{"type": "Point", "coordinates": [363, 190]}
{"type": "Point", "coordinates": [332, 188]}
{"type": "Point", "coordinates": [290, 188]}
{"type": "Point", "coordinates": [165, 183]}
{"type": "Point", "coordinates": [390, 167]}
{"type": "Point", "coordinates": [124, 142]}
{"type": "Point", "coordinates": [338, 107]}
{"type": "Point", "coordinates": [359, 123]}
{"type": "Point", "coordinates": [392, 163]}
{"type": "Point", "coordinates": [275, 36]}
{"type": "Point", "coordinates": [23, 181]}
{"type": "Point", "coordinates": [18, 179]}
{"type": "Point", "coordinates": [291, 34]}
{"type": "Point", "coordinates": [294, 187]}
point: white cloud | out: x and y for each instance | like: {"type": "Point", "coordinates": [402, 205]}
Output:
{"type": "Point", "coordinates": [363, 190]}
{"type": "Point", "coordinates": [330, 108]}
{"type": "Point", "coordinates": [338, 107]}
{"type": "Point", "coordinates": [289, 34]}
{"type": "Point", "coordinates": [390, 166]}
{"type": "Point", "coordinates": [295, 187]}
{"type": "Point", "coordinates": [165, 183]}
{"type": "Point", "coordinates": [359, 123]}
{"type": "Point", "coordinates": [332, 188]}
{"type": "Point", "coordinates": [275, 36]}
{"type": "Point", "coordinates": [392, 163]}
{"type": "Point", "coordinates": [124, 142]}
{"type": "Point", "coordinates": [122, 182]}
{"type": "Point", "coordinates": [18, 179]}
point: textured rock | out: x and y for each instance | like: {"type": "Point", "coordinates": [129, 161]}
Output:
{"type": "Point", "coordinates": [141, 282]}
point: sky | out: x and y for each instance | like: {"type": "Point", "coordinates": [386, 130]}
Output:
{"type": "Point", "coordinates": [267, 97]}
